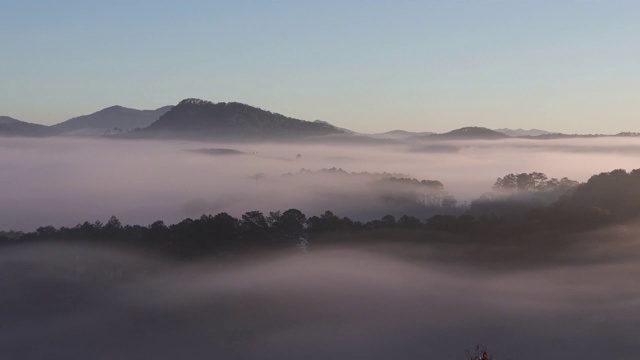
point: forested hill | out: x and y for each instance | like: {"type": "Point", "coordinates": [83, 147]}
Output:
{"type": "Point", "coordinates": [194, 118]}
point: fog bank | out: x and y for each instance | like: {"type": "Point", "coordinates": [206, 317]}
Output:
{"type": "Point", "coordinates": [62, 302]}
{"type": "Point", "coordinates": [63, 182]}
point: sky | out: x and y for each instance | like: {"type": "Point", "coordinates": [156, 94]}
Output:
{"type": "Point", "coordinates": [370, 66]}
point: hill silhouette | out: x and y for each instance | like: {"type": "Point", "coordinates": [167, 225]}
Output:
{"type": "Point", "coordinates": [522, 132]}
{"type": "Point", "coordinates": [195, 118]}
{"type": "Point", "coordinates": [469, 133]}
{"type": "Point", "coordinates": [13, 127]}
{"type": "Point", "coordinates": [109, 118]}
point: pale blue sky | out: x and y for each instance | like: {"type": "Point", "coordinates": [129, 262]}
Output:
{"type": "Point", "coordinates": [571, 66]}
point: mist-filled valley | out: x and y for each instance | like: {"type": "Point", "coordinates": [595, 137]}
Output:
{"type": "Point", "coordinates": [65, 181]}
{"type": "Point", "coordinates": [319, 180]}
{"type": "Point", "coordinates": [121, 248]}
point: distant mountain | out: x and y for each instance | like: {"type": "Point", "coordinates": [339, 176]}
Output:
{"type": "Point", "coordinates": [399, 134]}
{"type": "Point", "coordinates": [628, 134]}
{"type": "Point", "coordinates": [105, 120]}
{"type": "Point", "coordinates": [219, 152]}
{"type": "Point", "coordinates": [7, 120]}
{"type": "Point", "coordinates": [522, 132]}
{"type": "Point", "coordinates": [346, 131]}
{"type": "Point", "coordinates": [12, 127]}
{"type": "Point", "coordinates": [194, 118]}
{"type": "Point", "coordinates": [469, 133]}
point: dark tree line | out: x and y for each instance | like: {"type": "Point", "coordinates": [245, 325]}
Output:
{"type": "Point", "coordinates": [223, 234]}
{"type": "Point", "coordinates": [516, 195]}
{"type": "Point", "coordinates": [605, 199]}
{"type": "Point", "coordinates": [534, 181]}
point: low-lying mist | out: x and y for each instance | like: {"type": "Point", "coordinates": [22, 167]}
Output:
{"type": "Point", "coordinates": [526, 289]}
{"type": "Point", "coordinates": [63, 182]}
{"type": "Point", "coordinates": [398, 300]}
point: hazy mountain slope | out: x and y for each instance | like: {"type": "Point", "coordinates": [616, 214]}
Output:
{"type": "Point", "coordinates": [196, 118]}
{"type": "Point", "coordinates": [399, 134]}
{"type": "Point", "coordinates": [523, 132]}
{"type": "Point", "coordinates": [12, 127]}
{"type": "Point", "coordinates": [8, 120]}
{"type": "Point", "coordinates": [470, 133]}
{"type": "Point", "coordinates": [346, 131]}
{"type": "Point", "coordinates": [109, 118]}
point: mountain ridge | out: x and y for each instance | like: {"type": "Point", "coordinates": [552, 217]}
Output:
{"type": "Point", "coordinates": [14, 127]}
{"type": "Point", "coordinates": [199, 119]}
{"type": "Point", "coordinates": [231, 120]}
{"type": "Point", "coordinates": [8, 120]}
{"type": "Point", "coordinates": [522, 132]}
{"type": "Point", "coordinates": [470, 133]}
{"type": "Point", "coordinates": [111, 117]}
